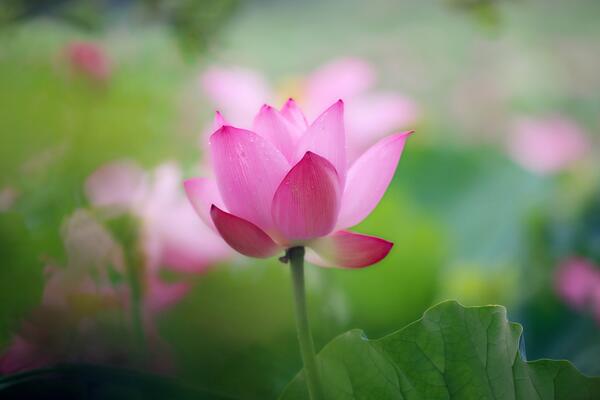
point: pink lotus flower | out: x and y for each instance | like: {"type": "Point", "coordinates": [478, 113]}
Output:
{"type": "Point", "coordinates": [577, 282]}
{"type": "Point", "coordinates": [287, 183]}
{"type": "Point", "coordinates": [547, 145]}
{"type": "Point", "coordinates": [239, 93]}
{"type": "Point", "coordinates": [89, 60]}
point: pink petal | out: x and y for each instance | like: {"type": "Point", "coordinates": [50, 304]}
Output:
{"type": "Point", "coordinates": [163, 295]}
{"type": "Point", "coordinates": [164, 190]}
{"type": "Point", "coordinates": [351, 250]}
{"type": "Point", "coordinates": [369, 178]}
{"type": "Point", "coordinates": [326, 137]}
{"type": "Point", "coordinates": [202, 193]}
{"type": "Point", "coordinates": [243, 236]}
{"type": "Point", "coordinates": [370, 117]}
{"type": "Point", "coordinates": [248, 169]}
{"type": "Point", "coordinates": [89, 59]}
{"type": "Point", "coordinates": [178, 239]}
{"type": "Point", "coordinates": [270, 124]}
{"type": "Point", "coordinates": [306, 203]}
{"type": "Point", "coordinates": [238, 92]}
{"type": "Point", "coordinates": [294, 114]}
{"type": "Point", "coordinates": [118, 184]}
{"type": "Point", "coordinates": [547, 145]}
{"type": "Point", "coordinates": [343, 78]}
{"type": "Point", "coordinates": [218, 121]}
{"type": "Point", "coordinates": [576, 281]}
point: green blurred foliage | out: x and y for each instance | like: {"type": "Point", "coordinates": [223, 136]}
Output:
{"type": "Point", "coordinates": [391, 293]}
{"type": "Point", "coordinates": [63, 127]}
{"type": "Point", "coordinates": [194, 23]}
{"type": "Point", "coordinates": [21, 268]}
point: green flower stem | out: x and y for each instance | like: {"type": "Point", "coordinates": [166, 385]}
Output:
{"type": "Point", "coordinates": [136, 315]}
{"type": "Point", "coordinates": [135, 276]}
{"type": "Point", "coordinates": [307, 348]}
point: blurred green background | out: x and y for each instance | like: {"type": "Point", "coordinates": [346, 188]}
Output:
{"type": "Point", "coordinates": [468, 222]}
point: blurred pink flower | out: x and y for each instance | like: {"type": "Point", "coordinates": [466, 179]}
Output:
{"type": "Point", "coordinates": [547, 145]}
{"type": "Point", "coordinates": [238, 93]}
{"type": "Point", "coordinates": [77, 298]}
{"type": "Point", "coordinates": [287, 183]}
{"type": "Point", "coordinates": [577, 282]}
{"type": "Point", "coordinates": [171, 234]}
{"type": "Point", "coordinates": [85, 315]}
{"type": "Point", "coordinates": [88, 59]}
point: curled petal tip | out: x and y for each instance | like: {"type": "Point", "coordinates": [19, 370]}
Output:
{"type": "Point", "coordinates": [308, 155]}
{"type": "Point", "coordinates": [222, 130]}
{"type": "Point", "coordinates": [337, 106]}
{"type": "Point", "coordinates": [290, 102]}
{"type": "Point", "coordinates": [403, 135]}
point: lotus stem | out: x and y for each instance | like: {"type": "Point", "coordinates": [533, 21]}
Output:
{"type": "Point", "coordinates": [307, 348]}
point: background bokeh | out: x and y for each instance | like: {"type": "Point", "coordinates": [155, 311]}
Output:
{"type": "Point", "coordinates": [481, 209]}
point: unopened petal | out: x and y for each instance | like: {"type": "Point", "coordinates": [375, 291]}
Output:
{"type": "Point", "coordinates": [270, 124]}
{"type": "Point", "coordinates": [294, 114]}
{"type": "Point", "coordinates": [249, 169]}
{"type": "Point", "coordinates": [326, 137]}
{"type": "Point", "coordinates": [243, 236]}
{"type": "Point", "coordinates": [218, 121]}
{"type": "Point", "coordinates": [306, 203]}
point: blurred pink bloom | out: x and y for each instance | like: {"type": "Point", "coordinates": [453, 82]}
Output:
{"type": "Point", "coordinates": [75, 299]}
{"type": "Point", "coordinates": [88, 59]}
{"type": "Point", "coordinates": [287, 183]}
{"type": "Point", "coordinates": [119, 184]}
{"type": "Point", "coordinates": [85, 316]}
{"type": "Point", "coordinates": [577, 282]}
{"type": "Point", "coordinates": [547, 145]}
{"type": "Point", "coordinates": [239, 92]}
{"type": "Point", "coordinates": [171, 234]}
